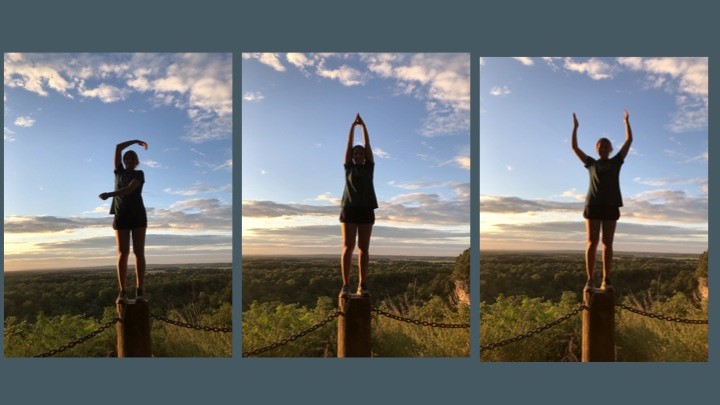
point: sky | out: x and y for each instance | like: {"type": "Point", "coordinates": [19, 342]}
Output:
{"type": "Point", "coordinates": [63, 116]}
{"type": "Point", "coordinates": [296, 114]}
{"type": "Point", "coordinates": [532, 186]}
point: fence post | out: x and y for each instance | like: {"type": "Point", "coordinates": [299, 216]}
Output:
{"type": "Point", "coordinates": [133, 331]}
{"type": "Point", "coordinates": [598, 327]}
{"type": "Point", "coordinates": [354, 326]}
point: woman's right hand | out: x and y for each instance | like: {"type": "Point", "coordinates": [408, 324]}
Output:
{"type": "Point", "coordinates": [358, 120]}
{"type": "Point", "coordinates": [575, 121]}
{"type": "Point", "coordinates": [104, 196]}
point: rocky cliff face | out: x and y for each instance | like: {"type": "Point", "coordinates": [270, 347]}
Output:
{"type": "Point", "coordinates": [703, 288]}
{"type": "Point", "coordinates": [462, 290]}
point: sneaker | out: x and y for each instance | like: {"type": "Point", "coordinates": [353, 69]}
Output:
{"type": "Point", "coordinates": [606, 285]}
{"type": "Point", "coordinates": [363, 290]}
{"type": "Point", "coordinates": [344, 292]}
{"type": "Point", "coordinates": [140, 296]}
{"type": "Point", "coordinates": [122, 298]}
{"type": "Point", "coordinates": [589, 286]}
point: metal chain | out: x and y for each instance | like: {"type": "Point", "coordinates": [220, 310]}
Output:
{"type": "Point", "coordinates": [495, 345]}
{"type": "Point", "coordinates": [421, 323]}
{"type": "Point", "coordinates": [79, 340]}
{"type": "Point", "coordinates": [663, 317]}
{"type": "Point", "coordinates": [293, 337]}
{"type": "Point", "coordinates": [191, 326]}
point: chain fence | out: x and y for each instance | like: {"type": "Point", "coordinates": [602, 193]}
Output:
{"type": "Point", "coordinates": [294, 337]}
{"type": "Point", "coordinates": [421, 323]}
{"type": "Point", "coordinates": [80, 340]}
{"type": "Point", "coordinates": [662, 317]}
{"type": "Point", "coordinates": [539, 329]}
{"type": "Point", "coordinates": [189, 325]}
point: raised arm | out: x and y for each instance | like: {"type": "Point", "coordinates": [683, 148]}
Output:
{"type": "Point", "coordinates": [366, 139]}
{"type": "Point", "coordinates": [122, 146]}
{"type": "Point", "coordinates": [580, 154]}
{"type": "Point", "coordinates": [628, 137]}
{"type": "Point", "coordinates": [351, 135]}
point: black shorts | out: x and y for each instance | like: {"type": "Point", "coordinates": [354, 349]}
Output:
{"type": "Point", "coordinates": [355, 215]}
{"type": "Point", "coordinates": [130, 221]}
{"type": "Point", "coordinates": [601, 212]}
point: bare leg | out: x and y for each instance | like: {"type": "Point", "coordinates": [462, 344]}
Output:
{"type": "Point", "coordinates": [364, 232]}
{"type": "Point", "coordinates": [138, 238]}
{"type": "Point", "coordinates": [348, 233]}
{"type": "Point", "coordinates": [122, 237]}
{"type": "Point", "coordinates": [608, 234]}
{"type": "Point", "coordinates": [593, 237]}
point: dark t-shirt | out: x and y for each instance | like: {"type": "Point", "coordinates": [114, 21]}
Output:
{"type": "Point", "coordinates": [359, 188]}
{"type": "Point", "coordinates": [131, 204]}
{"type": "Point", "coordinates": [604, 181]}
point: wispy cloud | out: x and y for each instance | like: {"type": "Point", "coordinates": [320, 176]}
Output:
{"type": "Point", "coordinates": [442, 81]}
{"type": "Point", "coordinates": [199, 84]}
{"type": "Point", "coordinates": [595, 68]}
{"type": "Point", "coordinates": [500, 91]}
{"type": "Point", "coordinates": [686, 78]}
{"type": "Point", "coordinates": [8, 134]}
{"type": "Point", "coordinates": [199, 189]}
{"type": "Point", "coordinates": [380, 153]}
{"type": "Point", "coordinates": [525, 61]}
{"type": "Point", "coordinates": [24, 121]}
{"type": "Point", "coordinates": [253, 96]}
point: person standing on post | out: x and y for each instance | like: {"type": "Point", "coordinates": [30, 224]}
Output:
{"type": "Point", "coordinates": [358, 208]}
{"type": "Point", "coordinates": [130, 217]}
{"type": "Point", "coordinates": [603, 200]}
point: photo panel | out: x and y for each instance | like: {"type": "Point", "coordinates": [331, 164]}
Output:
{"type": "Point", "coordinates": [355, 204]}
{"type": "Point", "coordinates": [118, 205]}
{"type": "Point", "coordinates": [594, 209]}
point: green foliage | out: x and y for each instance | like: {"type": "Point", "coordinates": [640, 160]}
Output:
{"type": "Point", "coordinates": [282, 296]}
{"type": "Point", "coordinates": [302, 280]}
{"type": "Point", "coordinates": [512, 316]}
{"type": "Point", "coordinates": [391, 338]}
{"type": "Point", "coordinates": [639, 338]}
{"type": "Point", "coordinates": [44, 310]}
{"type": "Point", "coordinates": [547, 275]}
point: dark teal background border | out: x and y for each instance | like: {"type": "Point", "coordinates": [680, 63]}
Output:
{"type": "Point", "coordinates": [509, 28]}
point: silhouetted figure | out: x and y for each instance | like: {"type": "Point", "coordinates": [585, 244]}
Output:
{"type": "Point", "coordinates": [603, 201]}
{"type": "Point", "coordinates": [358, 204]}
{"type": "Point", "coordinates": [130, 217]}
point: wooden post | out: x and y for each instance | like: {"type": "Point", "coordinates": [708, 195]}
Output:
{"type": "Point", "coordinates": [354, 326]}
{"type": "Point", "coordinates": [133, 332]}
{"type": "Point", "coordinates": [598, 328]}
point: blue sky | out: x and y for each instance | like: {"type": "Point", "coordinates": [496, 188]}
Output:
{"type": "Point", "coordinates": [532, 185]}
{"type": "Point", "coordinates": [64, 114]}
{"type": "Point", "coordinates": [297, 111]}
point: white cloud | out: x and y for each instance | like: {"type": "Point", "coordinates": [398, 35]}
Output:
{"type": "Point", "coordinates": [380, 153]}
{"type": "Point", "coordinates": [525, 61]}
{"type": "Point", "coordinates": [687, 78]}
{"type": "Point", "coordinates": [153, 164]}
{"type": "Point", "coordinates": [346, 75]}
{"type": "Point", "coordinates": [442, 81]}
{"type": "Point", "coordinates": [199, 189]}
{"type": "Point", "coordinates": [593, 67]}
{"type": "Point", "coordinates": [104, 92]}
{"type": "Point", "coordinates": [269, 59]}
{"type": "Point", "coordinates": [299, 60]}
{"type": "Point", "coordinates": [508, 168]}
{"type": "Point", "coordinates": [500, 91]}
{"type": "Point", "coordinates": [25, 121]}
{"type": "Point", "coordinates": [463, 161]}
{"type": "Point", "coordinates": [253, 96]}
{"type": "Point", "coordinates": [8, 134]}
{"type": "Point", "coordinates": [573, 193]}
{"type": "Point", "coordinates": [328, 198]}
{"type": "Point", "coordinates": [198, 83]}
